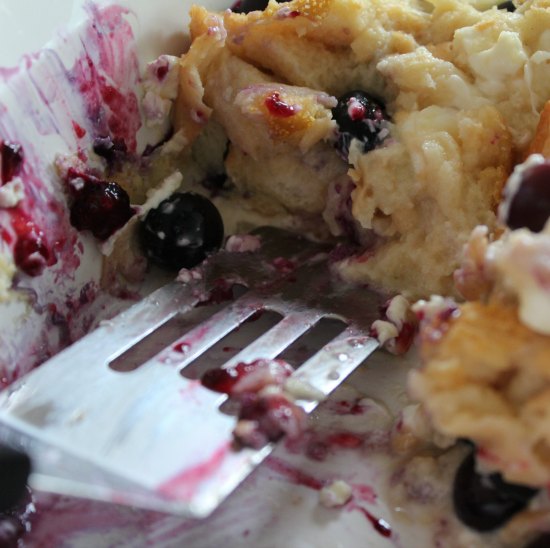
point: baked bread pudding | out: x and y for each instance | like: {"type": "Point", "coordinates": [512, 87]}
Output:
{"type": "Point", "coordinates": [413, 136]}
{"type": "Point", "coordinates": [485, 361]}
{"type": "Point", "coordinates": [393, 124]}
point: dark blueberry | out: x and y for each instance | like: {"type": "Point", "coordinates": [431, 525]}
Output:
{"type": "Point", "coordinates": [181, 231]}
{"type": "Point", "coordinates": [15, 467]}
{"type": "Point", "coordinates": [246, 6]}
{"type": "Point", "coordinates": [112, 150]}
{"type": "Point", "coordinates": [485, 502]}
{"type": "Point", "coordinates": [149, 149]}
{"type": "Point", "coordinates": [273, 414]}
{"type": "Point", "coordinates": [360, 116]}
{"type": "Point", "coordinates": [101, 207]}
{"type": "Point", "coordinates": [11, 158]}
{"type": "Point", "coordinates": [530, 205]}
{"type": "Point", "coordinates": [542, 541]}
{"type": "Point", "coordinates": [215, 182]}
{"type": "Point", "coordinates": [508, 6]}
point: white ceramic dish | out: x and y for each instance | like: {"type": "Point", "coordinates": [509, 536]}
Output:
{"type": "Point", "coordinates": [279, 505]}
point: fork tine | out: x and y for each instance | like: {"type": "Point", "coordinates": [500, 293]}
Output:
{"type": "Point", "coordinates": [335, 361]}
{"type": "Point", "coordinates": [278, 338]}
{"type": "Point", "coordinates": [195, 342]}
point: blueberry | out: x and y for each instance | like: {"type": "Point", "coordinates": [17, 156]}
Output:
{"type": "Point", "coordinates": [181, 231]}
{"type": "Point", "coordinates": [101, 207]}
{"type": "Point", "coordinates": [113, 150]}
{"type": "Point", "coordinates": [215, 182]}
{"type": "Point", "coordinates": [15, 467]}
{"type": "Point", "coordinates": [485, 502]}
{"type": "Point", "coordinates": [246, 6]}
{"type": "Point", "coordinates": [11, 159]}
{"type": "Point", "coordinates": [530, 205]}
{"type": "Point", "coordinates": [508, 6]}
{"type": "Point", "coordinates": [360, 116]}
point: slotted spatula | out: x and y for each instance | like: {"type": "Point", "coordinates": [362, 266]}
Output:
{"type": "Point", "coordinates": [152, 438]}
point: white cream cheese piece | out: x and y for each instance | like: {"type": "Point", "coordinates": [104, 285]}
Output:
{"type": "Point", "coordinates": [523, 264]}
{"type": "Point", "coordinates": [160, 83]}
{"type": "Point", "coordinates": [337, 494]}
{"type": "Point", "coordinates": [12, 193]}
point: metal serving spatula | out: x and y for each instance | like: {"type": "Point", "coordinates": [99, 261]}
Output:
{"type": "Point", "coordinates": [151, 437]}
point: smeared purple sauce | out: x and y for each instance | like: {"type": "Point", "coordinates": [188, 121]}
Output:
{"type": "Point", "coordinates": [72, 103]}
{"type": "Point", "coordinates": [106, 74]}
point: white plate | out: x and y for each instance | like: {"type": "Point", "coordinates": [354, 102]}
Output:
{"type": "Point", "coordinates": [279, 505]}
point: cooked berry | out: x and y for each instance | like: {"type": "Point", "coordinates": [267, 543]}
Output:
{"type": "Point", "coordinates": [113, 150]}
{"type": "Point", "coordinates": [11, 531]}
{"type": "Point", "coordinates": [530, 206]}
{"type": "Point", "coordinates": [15, 521]}
{"type": "Point", "coordinates": [360, 116]}
{"type": "Point", "coordinates": [221, 380]}
{"type": "Point", "coordinates": [542, 541]}
{"type": "Point", "coordinates": [14, 471]}
{"type": "Point", "coordinates": [246, 6]}
{"type": "Point", "coordinates": [181, 231]}
{"type": "Point", "coordinates": [31, 253]}
{"type": "Point", "coordinates": [485, 502]}
{"type": "Point", "coordinates": [508, 6]}
{"type": "Point", "coordinates": [215, 182]}
{"type": "Point", "coordinates": [251, 376]}
{"type": "Point", "coordinates": [267, 417]}
{"type": "Point", "coordinates": [11, 158]}
{"type": "Point", "coordinates": [101, 207]}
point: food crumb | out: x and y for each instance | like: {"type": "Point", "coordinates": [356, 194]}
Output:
{"type": "Point", "coordinates": [335, 495]}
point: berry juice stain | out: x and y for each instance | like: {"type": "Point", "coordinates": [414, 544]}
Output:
{"type": "Point", "coordinates": [277, 107]}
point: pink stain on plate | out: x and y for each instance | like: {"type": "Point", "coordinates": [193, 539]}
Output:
{"type": "Point", "coordinates": [93, 97]}
{"type": "Point", "coordinates": [364, 492]}
{"type": "Point", "coordinates": [293, 474]}
{"type": "Point", "coordinates": [185, 484]}
{"type": "Point", "coordinates": [106, 73]}
{"type": "Point", "coordinates": [381, 526]}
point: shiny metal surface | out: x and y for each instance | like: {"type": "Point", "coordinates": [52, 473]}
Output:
{"type": "Point", "coordinates": [153, 438]}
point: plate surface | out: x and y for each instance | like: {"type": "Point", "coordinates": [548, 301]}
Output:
{"type": "Point", "coordinates": [279, 505]}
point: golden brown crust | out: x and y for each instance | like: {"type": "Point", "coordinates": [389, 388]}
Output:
{"type": "Point", "coordinates": [541, 141]}
{"type": "Point", "coordinates": [191, 113]}
{"type": "Point", "coordinates": [486, 377]}
{"type": "Point", "coordinates": [462, 88]}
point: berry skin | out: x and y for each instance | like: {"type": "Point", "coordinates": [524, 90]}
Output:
{"type": "Point", "coordinates": [101, 207]}
{"type": "Point", "coordinates": [530, 206]}
{"type": "Point", "coordinates": [31, 253]}
{"type": "Point", "coordinates": [15, 467]}
{"type": "Point", "coordinates": [113, 150]}
{"type": "Point", "coordinates": [181, 231]}
{"type": "Point", "coordinates": [360, 116]}
{"type": "Point", "coordinates": [247, 376]}
{"type": "Point", "coordinates": [11, 159]}
{"type": "Point", "coordinates": [486, 502]}
{"type": "Point", "coordinates": [508, 6]}
{"type": "Point", "coordinates": [246, 6]}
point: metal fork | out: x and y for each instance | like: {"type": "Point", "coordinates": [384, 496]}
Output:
{"type": "Point", "coordinates": [151, 437]}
